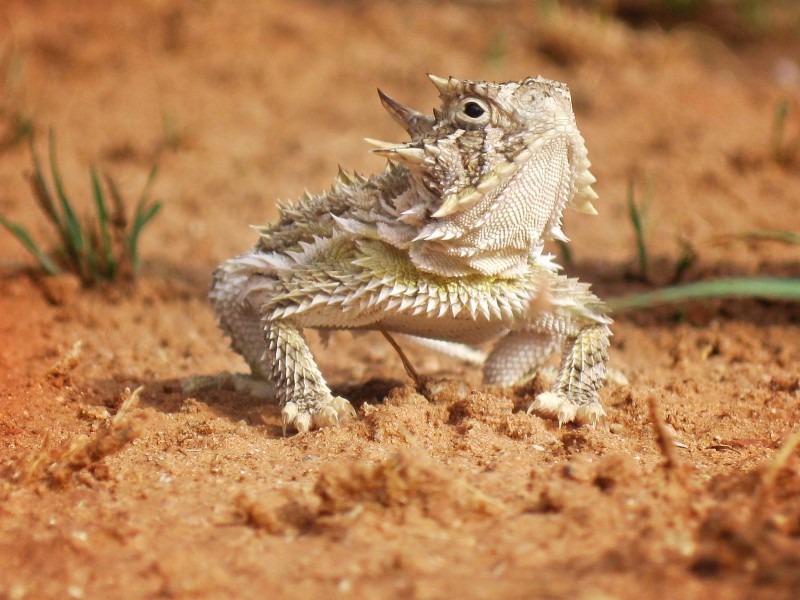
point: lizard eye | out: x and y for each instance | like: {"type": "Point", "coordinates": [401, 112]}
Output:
{"type": "Point", "coordinates": [472, 113]}
{"type": "Point", "coordinates": [473, 110]}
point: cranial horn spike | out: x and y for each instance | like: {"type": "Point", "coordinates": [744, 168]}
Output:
{"type": "Point", "coordinates": [405, 116]}
{"type": "Point", "coordinates": [344, 176]}
{"type": "Point", "coordinates": [380, 144]}
{"type": "Point", "coordinates": [432, 150]}
{"type": "Point", "coordinates": [442, 84]}
{"type": "Point", "coordinates": [411, 155]}
{"type": "Point", "coordinates": [453, 84]}
{"type": "Point", "coordinates": [408, 156]}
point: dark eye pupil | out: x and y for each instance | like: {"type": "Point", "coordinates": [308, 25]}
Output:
{"type": "Point", "coordinates": [473, 110]}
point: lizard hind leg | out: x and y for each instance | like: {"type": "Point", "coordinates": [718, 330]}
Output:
{"type": "Point", "coordinates": [242, 323]}
{"type": "Point", "coordinates": [517, 356]}
{"type": "Point", "coordinates": [236, 308]}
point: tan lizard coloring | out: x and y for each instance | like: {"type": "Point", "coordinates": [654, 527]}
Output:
{"type": "Point", "coordinates": [446, 244]}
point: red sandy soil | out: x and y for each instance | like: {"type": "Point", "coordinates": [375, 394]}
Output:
{"type": "Point", "coordinates": [460, 494]}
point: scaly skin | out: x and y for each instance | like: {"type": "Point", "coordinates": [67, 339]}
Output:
{"type": "Point", "coordinates": [446, 244]}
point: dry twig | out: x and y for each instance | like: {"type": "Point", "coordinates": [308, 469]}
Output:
{"type": "Point", "coordinates": [665, 439]}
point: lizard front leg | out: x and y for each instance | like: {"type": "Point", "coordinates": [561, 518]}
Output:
{"type": "Point", "coordinates": [302, 392]}
{"type": "Point", "coordinates": [574, 396]}
{"type": "Point", "coordinates": [574, 321]}
{"type": "Point", "coordinates": [577, 317]}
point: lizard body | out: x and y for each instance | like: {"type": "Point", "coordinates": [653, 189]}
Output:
{"type": "Point", "coordinates": [446, 244]}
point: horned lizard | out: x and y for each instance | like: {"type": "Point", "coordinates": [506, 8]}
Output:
{"type": "Point", "coordinates": [446, 244]}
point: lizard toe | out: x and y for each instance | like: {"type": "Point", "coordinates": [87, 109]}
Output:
{"type": "Point", "coordinates": [326, 416]}
{"type": "Point", "coordinates": [288, 415]}
{"type": "Point", "coordinates": [593, 414]}
{"type": "Point", "coordinates": [547, 404]}
{"type": "Point", "coordinates": [334, 411]}
{"type": "Point", "coordinates": [303, 422]}
{"type": "Point", "coordinates": [343, 408]}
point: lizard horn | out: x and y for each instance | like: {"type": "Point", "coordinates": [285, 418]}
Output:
{"type": "Point", "coordinates": [442, 84]}
{"type": "Point", "coordinates": [380, 144]}
{"type": "Point", "coordinates": [399, 153]}
{"type": "Point", "coordinates": [407, 117]}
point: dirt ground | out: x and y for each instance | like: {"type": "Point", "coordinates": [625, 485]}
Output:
{"type": "Point", "coordinates": [460, 494]}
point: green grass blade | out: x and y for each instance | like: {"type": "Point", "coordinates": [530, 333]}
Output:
{"type": "Point", "coordinates": [76, 241]}
{"type": "Point", "coordinates": [787, 237]}
{"type": "Point", "coordinates": [636, 215]}
{"type": "Point", "coordinates": [73, 226]}
{"type": "Point", "coordinates": [151, 177]}
{"type": "Point", "coordinates": [143, 213]}
{"type": "Point", "coordinates": [24, 237]}
{"type": "Point", "coordinates": [687, 258]}
{"type": "Point", "coordinates": [140, 219]}
{"type": "Point", "coordinates": [109, 263]}
{"type": "Point", "coordinates": [778, 129]}
{"type": "Point", "coordinates": [41, 192]}
{"type": "Point", "coordinates": [771, 288]}
{"type": "Point", "coordinates": [118, 217]}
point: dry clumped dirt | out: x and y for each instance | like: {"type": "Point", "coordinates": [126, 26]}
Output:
{"type": "Point", "coordinates": [110, 491]}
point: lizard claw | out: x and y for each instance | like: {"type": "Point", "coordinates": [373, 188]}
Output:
{"type": "Point", "coordinates": [334, 411]}
{"type": "Point", "coordinates": [326, 417]}
{"type": "Point", "coordinates": [288, 415]}
{"type": "Point", "coordinates": [326, 414]}
{"type": "Point", "coordinates": [593, 413]}
{"type": "Point", "coordinates": [554, 404]}
{"type": "Point", "coordinates": [560, 406]}
{"type": "Point", "coordinates": [343, 408]}
{"type": "Point", "coordinates": [302, 422]}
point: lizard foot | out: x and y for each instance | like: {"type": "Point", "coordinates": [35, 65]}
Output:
{"type": "Point", "coordinates": [560, 406]}
{"type": "Point", "coordinates": [328, 413]}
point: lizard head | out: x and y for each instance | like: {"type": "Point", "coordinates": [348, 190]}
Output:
{"type": "Point", "coordinates": [481, 137]}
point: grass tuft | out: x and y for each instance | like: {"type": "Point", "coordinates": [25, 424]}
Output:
{"type": "Point", "coordinates": [103, 248]}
